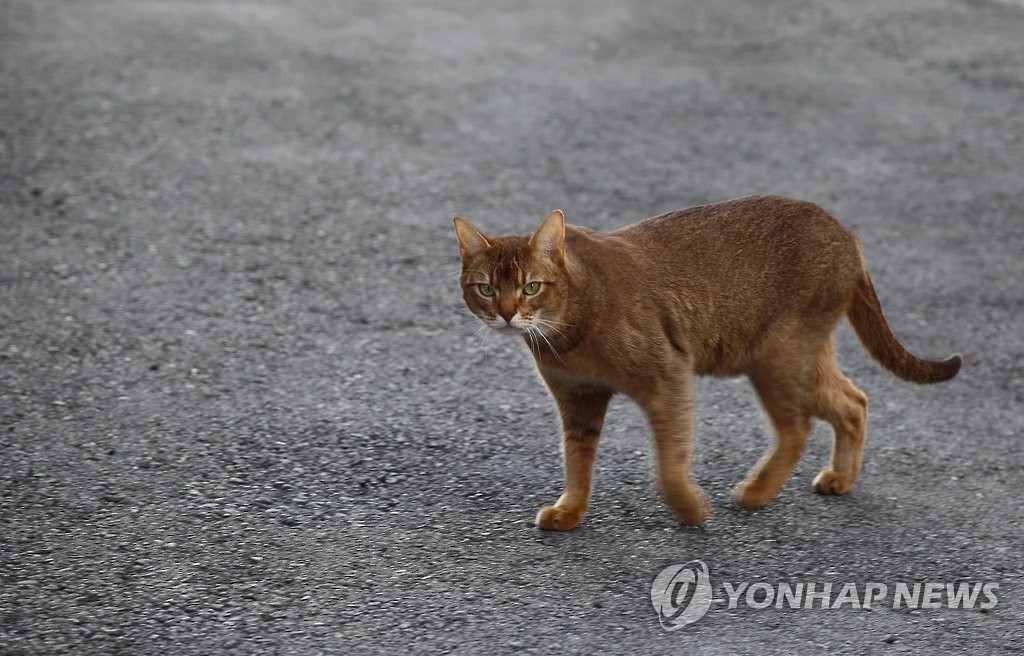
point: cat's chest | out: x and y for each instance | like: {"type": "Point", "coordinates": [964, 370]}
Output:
{"type": "Point", "coordinates": [582, 368]}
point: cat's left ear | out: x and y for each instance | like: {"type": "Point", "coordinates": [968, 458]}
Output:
{"type": "Point", "coordinates": [549, 238]}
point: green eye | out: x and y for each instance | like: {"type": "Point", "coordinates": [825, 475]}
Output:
{"type": "Point", "coordinates": [485, 289]}
{"type": "Point", "coordinates": [531, 288]}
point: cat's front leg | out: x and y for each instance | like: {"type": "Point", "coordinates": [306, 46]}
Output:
{"type": "Point", "coordinates": [582, 413]}
{"type": "Point", "coordinates": [669, 409]}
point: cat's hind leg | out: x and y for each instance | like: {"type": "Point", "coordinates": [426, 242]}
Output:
{"type": "Point", "coordinates": [783, 380]}
{"type": "Point", "coordinates": [844, 406]}
{"type": "Point", "coordinates": [582, 412]}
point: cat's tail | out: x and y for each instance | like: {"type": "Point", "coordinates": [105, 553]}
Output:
{"type": "Point", "coordinates": [865, 313]}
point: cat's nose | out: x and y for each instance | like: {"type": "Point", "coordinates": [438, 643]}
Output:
{"type": "Point", "coordinates": [507, 315]}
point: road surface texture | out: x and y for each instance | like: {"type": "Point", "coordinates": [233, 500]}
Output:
{"type": "Point", "coordinates": [241, 411]}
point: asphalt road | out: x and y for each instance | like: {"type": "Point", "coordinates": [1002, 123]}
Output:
{"type": "Point", "coordinates": [242, 413]}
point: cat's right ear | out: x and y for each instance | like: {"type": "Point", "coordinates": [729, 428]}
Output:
{"type": "Point", "coordinates": [472, 242]}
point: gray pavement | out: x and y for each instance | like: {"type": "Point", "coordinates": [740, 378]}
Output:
{"type": "Point", "coordinates": [242, 413]}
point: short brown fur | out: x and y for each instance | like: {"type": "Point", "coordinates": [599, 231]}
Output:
{"type": "Point", "coordinates": [751, 286]}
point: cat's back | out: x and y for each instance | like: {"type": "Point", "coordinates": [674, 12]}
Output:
{"type": "Point", "coordinates": [744, 260]}
{"type": "Point", "coordinates": [776, 218]}
{"type": "Point", "coordinates": [764, 232]}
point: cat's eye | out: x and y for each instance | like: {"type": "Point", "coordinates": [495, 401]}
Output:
{"type": "Point", "coordinates": [485, 289]}
{"type": "Point", "coordinates": [531, 288]}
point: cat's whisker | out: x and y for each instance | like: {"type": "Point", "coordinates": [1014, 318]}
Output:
{"type": "Point", "coordinates": [474, 319]}
{"type": "Point", "coordinates": [480, 332]}
{"type": "Point", "coordinates": [551, 346]}
{"type": "Point", "coordinates": [534, 332]}
{"type": "Point", "coordinates": [476, 339]}
{"type": "Point", "coordinates": [483, 331]}
{"type": "Point", "coordinates": [547, 324]}
{"type": "Point", "coordinates": [534, 344]}
{"type": "Point", "coordinates": [553, 322]}
{"type": "Point", "coordinates": [553, 326]}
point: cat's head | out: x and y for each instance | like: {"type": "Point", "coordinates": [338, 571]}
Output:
{"type": "Point", "coordinates": [518, 283]}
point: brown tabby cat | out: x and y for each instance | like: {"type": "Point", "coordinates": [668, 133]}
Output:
{"type": "Point", "coordinates": [751, 286]}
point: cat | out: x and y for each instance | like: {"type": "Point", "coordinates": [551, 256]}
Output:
{"type": "Point", "coordinates": [752, 286]}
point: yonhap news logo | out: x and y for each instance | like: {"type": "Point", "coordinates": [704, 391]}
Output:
{"type": "Point", "coordinates": [682, 594]}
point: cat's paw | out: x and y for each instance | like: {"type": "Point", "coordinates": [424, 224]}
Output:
{"type": "Point", "coordinates": [751, 495]}
{"type": "Point", "coordinates": [689, 507]}
{"type": "Point", "coordinates": [829, 481]}
{"type": "Point", "coordinates": [554, 518]}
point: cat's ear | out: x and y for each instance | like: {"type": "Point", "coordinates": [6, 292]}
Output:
{"type": "Point", "coordinates": [471, 241]}
{"type": "Point", "coordinates": [549, 238]}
